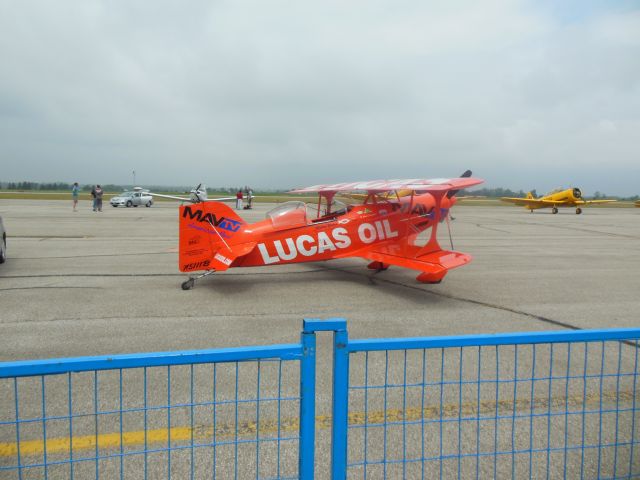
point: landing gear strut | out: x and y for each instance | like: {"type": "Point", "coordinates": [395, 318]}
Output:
{"type": "Point", "coordinates": [377, 267]}
{"type": "Point", "coordinates": [189, 284]}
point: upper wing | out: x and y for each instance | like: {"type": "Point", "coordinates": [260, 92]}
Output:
{"type": "Point", "coordinates": [375, 186]}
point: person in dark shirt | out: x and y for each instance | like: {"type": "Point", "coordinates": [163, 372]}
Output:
{"type": "Point", "coordinates": [99, 193]}
{"type": "Point", "coordinates": [95, 201]}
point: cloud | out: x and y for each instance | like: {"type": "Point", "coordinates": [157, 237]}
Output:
{"type": "Point", "coordinates": [289, 93]}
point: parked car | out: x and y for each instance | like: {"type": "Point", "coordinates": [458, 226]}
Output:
{"type": "Point", "coordinates": [132, 199]}
{"type": "Point", "coordinates": [3, 243]}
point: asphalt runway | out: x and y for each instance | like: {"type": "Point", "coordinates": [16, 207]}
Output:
{"type": "Point", "coordinates": [90, 283]}
{"type": "Point", "coordinates": [95, 283]}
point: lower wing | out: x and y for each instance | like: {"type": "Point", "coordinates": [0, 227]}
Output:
{"type": "Point", "coordinates": [434, 261]}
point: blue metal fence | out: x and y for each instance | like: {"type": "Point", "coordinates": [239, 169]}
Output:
{"type": "Point", "coordinates": [525, 405]}
{"type": "Point", "coordinates": [543, 405]}
{"type": "Point", "coordinates": [213, 413]}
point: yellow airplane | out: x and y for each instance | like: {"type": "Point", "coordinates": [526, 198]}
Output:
{"type": "Point", "coordinates": [572, 197]}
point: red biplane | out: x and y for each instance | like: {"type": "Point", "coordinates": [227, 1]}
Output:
{"type": "Point", "coordinates": [386, 229]}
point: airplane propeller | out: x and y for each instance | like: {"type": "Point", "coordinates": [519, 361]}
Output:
{"type": "Point", "coordinates": [452, 193]}
{"type": "Point", "coordinates": [196, 193]}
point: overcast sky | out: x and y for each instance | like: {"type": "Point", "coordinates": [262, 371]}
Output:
{"type": "Point", "coordinates": [284, 93]}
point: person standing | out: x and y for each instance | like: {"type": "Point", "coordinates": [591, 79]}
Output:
{"type": "Point", "coordinates": [99, 194]}
{"type": "Point", "coordinates": [239, 200]}
{"type": "Point", "coordinates": [249, 199]}
{"type": "Point", "coordinates": [95, 200]}
{"type": "Point", "coordinates": [75, 191]}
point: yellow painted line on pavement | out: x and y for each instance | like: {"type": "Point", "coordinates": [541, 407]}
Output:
{"type": "Point", "coordinates": [228, 430]}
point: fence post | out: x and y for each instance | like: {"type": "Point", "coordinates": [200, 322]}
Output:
{"type": "Point", "coordinates": [340, 389]}
{"type": "Point", "coordinates": [306, 456]}
{"type": "Point", "coordinates": [340, 404]}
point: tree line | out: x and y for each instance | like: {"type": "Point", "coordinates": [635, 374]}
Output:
{"type": "Point", "coordinates": [63, 186]}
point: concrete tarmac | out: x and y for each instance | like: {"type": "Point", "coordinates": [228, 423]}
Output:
{"type": "Point", "coordinates": [85, 283]}
{"type": "Point", "coordinates": [90, 283]}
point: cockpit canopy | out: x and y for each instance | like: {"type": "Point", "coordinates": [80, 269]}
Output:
{"type": "Point", "coordinates": [296, 213]}
{"type": "Point", "coordinates": [289, 214]}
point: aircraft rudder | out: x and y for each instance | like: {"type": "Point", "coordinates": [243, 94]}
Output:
{"type": "Point", "coordinates": [206, 230]}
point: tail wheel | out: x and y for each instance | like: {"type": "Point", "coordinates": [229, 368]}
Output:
{"type": "Point", "coordinates": [554, 210]}
{"type": "Point", "coordinates": [578, 211]}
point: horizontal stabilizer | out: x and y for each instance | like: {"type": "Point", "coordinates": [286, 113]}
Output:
{"type": "Point", "coordinates": [224, 257]}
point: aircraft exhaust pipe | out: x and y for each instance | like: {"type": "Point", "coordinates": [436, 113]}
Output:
{"type": "Point", "coordinates": [577, 193]}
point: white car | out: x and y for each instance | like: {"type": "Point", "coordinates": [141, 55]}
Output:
{"type": "Point", "coordinates": [131, 199]}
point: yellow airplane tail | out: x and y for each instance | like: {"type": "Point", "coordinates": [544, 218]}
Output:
{"type": "Point", "coordinates": [530, 196]}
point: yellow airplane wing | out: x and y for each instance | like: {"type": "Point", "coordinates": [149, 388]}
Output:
{"type": "Point", "coordinates": [590, 202]}
{"type": "Point", "coordinates": [525, 202]}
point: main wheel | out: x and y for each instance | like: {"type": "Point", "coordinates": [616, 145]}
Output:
{"type": "Point", "coordinates": [3, 251]}
{"type": "Point", "coordinates": [554, 210]}
{"type": "Point", "coordinates": [129, 203]}
{"type": "Point", "coordinates": [578, 211]}
{"type": "Point", "coordinates": [188, 285]}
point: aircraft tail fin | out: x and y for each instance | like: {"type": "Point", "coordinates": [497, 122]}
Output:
{"type": "Point", "coordinates": [530, 196]}
{"type": "Point", "coordinates": [207, 231]}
